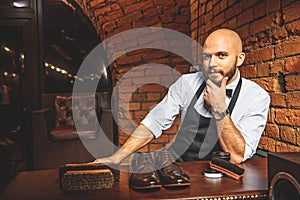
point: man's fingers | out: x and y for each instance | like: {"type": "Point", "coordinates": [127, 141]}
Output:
{"type": "Point", "coordinates": [224, 82]}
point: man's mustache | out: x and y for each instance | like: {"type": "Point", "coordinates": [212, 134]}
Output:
{"type": "Point", "coordinates": [215, 70]}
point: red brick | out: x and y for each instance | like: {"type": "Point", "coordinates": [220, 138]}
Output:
{"type": "Point", "coordinates": [271, 115]}
{"type": "Point", "coordinates": [164, 3]}
{"type": "Point", "coordinates": [279, 34]}
{"type": "Point", "coordinates": [151, 21]}
{"type": "Point", "coordinates": [272, 6]}
{"type": "Point", "coordinates": [293, 99]}
{"type": "Point", "coordinates": [155, 147]}
{"type": "Point", "coordinates": [148, 105]}
{"type": "Point", "coordinates": [293, 148]}
{"type": "Point", "coordinates": [113, 15]}
{"type": "Point", "coordinates": [216, 9]}
{"type": "Point", "coordinates": [137, 97]}
{"type": "Point", "coordinates": [287, 134]}
{"type": "Point", "coordinates": [267, 143]}
{"type": "Point", "coordinates": [231, 24]}
{"type": "Point", "coordinates": [140, 114]}
{"type": "Point", "coordinates": [262, 54]}
{"type": "Point", "coordinates": [233, 11]}
{"type": "Point", "coordinates": [127, 2]}
{"type": "Point", "coordinates": [259, 10]}
{"type": "Point", "coordinates": [270, 84]}
{"type": "Point", "coordinates": [134, 106]}
{"type": "Point", "coordinates": [129, 18]}
{"type": "Point", "coordinates": [243, 31]}
{"type": "Point", "coordinates": [184, 11]}
{"type": "Point", "coordinates": [260, 25]}
{"type": "Point", "coordinates": [217, 20]}
{"type": "Point", "coordinates": [287, 117]}
{"type": "Point", "coordinates": [115, 6]}
{"type": "Point", "coordinates": [124, 60]}
{"type": "Point", "coordinates": [104, 10]}
{"type": "Point", "coordinates": [223, 5]}
{"type": "Point", "coordinates": [194, 7]}
{"type": "Point", "coordinates": [250, 71]}
{"type": "Point", "coordinates": [208, 6]}
{"type": "Point", "coordinates": [109, 26]}
{"type": "Point", "coordinates": [277, 66]}
{"type": "Point", "coordinates": [281, 147]}
{"type": "Point", "coordinates": [288, 48]}
{"type": "Point", "coordinates": [264, 39]}
{"type": "Point", "coordinates": [144, 149]}
{"type": "Point", "coordinates": [208, 17]}
{"type": "Point", "coordinates": [292, 82]}
{"type": "Point", "coordinates": [96, 3]}
{"type": "Point", "coordinates": [161, 139]}
{"type": "Point", "coordinates": [143, 5]}
{"type": "Point", "coordinates": [278, 100]}
{"type": "Point", "coordinates": [292, 12]}
{"type": "Point", "coordinates": [145, 80]}
{"type": "Point", "coordinates": [245, 17]}
{"type": "Point", "coordinates": [153, 97]}
{"type": "Point", "coordinates": [292, 65]}
{"type": "Point", "coordinates": [272, 131]}
{"type": "Point", "coordinates": [293, 28]}
{"type": "Point", "coordinates": [298, 136]}
{"type": "Point", "coordinates": [263, 69]}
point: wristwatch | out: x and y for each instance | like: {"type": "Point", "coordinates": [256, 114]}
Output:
{"type": "Point", "coordinates": [220, 115]}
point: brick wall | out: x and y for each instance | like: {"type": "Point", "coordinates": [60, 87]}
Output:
{"type": "Point", "coordinates": [142, 88]}
{"type": "Point", "coordinates": [270, 31]}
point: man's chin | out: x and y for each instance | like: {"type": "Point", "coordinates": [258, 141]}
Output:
{"type": "Point", "coordinates": [215, 79]}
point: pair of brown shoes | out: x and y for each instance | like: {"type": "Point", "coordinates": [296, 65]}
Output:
{"type": "Point", "coordinates": [147, 173]}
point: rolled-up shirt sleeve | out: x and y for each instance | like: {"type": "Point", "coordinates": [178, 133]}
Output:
{"type": "Point", "coordinates": [161, 117]}
{"type": "Point", "coordinates": [253, 123]}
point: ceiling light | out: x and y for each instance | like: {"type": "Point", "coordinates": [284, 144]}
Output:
{"type": "Point", "coordinates": [7, 49]}
{"type": "Point", "coordinates": [21, 4]}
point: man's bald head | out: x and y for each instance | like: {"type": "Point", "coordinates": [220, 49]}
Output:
{"type": "Point", "coordinates": [225, 36]}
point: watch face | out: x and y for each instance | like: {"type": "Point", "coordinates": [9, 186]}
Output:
{"type": "Point", "coordinates": [218, 115]}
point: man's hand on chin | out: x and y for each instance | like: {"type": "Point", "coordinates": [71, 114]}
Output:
{"type": "Point", "coordinates": [215, 95]}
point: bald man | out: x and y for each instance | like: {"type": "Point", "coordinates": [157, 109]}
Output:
{"type": "Point", "coordinates": [211, 119]}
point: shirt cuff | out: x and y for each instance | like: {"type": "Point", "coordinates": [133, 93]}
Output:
{"type": "Point", "coordinates": [248, 152]}
{"type": "Point", "coordinates": [152, 126]}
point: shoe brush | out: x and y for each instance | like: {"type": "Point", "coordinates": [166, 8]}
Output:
{"type": "Point", "coordinates": [227, 168]}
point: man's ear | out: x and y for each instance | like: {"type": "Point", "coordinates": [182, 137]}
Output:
{"type": "Point", "coordinates": [240, 59]}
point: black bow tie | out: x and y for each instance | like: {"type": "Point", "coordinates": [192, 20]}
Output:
{"type": "Point", "coordinates": [229, 92]}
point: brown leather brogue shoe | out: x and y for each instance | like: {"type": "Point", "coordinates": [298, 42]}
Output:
{"type": "Point", "coordinates": [169, 172]}
{"type": "Point", "coordinates": [144, 175]}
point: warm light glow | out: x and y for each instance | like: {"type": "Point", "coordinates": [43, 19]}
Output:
{"type": "Point", "coordinates": [22, 56]}
{"type": "Point", "coordinates": [70, 75]}
{"type": "Point", "coordinates": [6, 49]}
{"type": "Point", "coordinates": [58, 69]}
{"type": "Point", "coordinates": [64, 71]}
{"type": "Point", "coordinates": [20, 4]}
{"type": "Point", "coordinates": [47, 65]}
{"type": "Point", "coordinates": [14, 74]}
{"type": "Point", "coordinates": [5, 73]}
{"type": "Point", "coordinates": [52, 67]}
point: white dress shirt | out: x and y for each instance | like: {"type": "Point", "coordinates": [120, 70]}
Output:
{"type": "Point", "coordinates": [249, 114]}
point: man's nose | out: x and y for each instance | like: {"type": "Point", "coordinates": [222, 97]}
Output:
{"type": "Point", "coordinates": [212, 61]}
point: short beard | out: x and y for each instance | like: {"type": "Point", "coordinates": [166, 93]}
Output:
{"type": "Point", "coordinates": [232, 71]}
{"type": "Point", "coordinates": [230, 74]}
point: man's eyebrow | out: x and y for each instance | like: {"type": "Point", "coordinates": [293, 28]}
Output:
{"type": "Point", "coordinates": [222, 52]}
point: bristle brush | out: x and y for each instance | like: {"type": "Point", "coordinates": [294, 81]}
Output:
{"type": "Point", "coordinates": [227, 168]}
